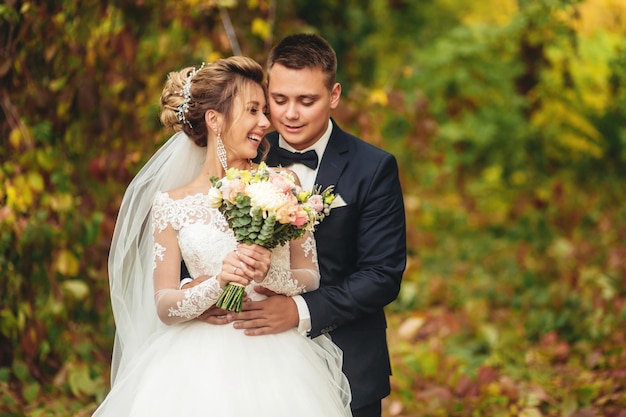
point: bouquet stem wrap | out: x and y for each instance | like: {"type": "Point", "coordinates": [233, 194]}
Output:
{"type": "Point", "coordinates": [232, 297]}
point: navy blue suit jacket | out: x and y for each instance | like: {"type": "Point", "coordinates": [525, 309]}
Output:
{"type": "Point", "coordinates": [362, 256]}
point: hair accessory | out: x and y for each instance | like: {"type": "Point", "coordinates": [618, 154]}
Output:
{"type": "Point", "coordinates": [221, 152]}
{"type": "Point", "coordinates": [186, 93]}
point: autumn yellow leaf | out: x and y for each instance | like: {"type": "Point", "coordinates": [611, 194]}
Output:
{"type": "Point", "coordinates": [62, 202]}
{"type": "Point", "coordinates": [379, 96]}
{"type": "Point", "coordinates": [78, 289]}
{"type": "Point", "coordinates": [35, 181]}
{"type": "Point", "coordinates": [261, 28]}
{"type": "Point", "coordinates": [16, 138]}
{"type": "Point", "coordinates": [66, 263]}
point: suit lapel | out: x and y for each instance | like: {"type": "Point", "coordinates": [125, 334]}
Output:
{"type": "Point", "coordinates": [334, 160]}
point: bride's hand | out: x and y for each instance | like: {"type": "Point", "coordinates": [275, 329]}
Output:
{"type": "Point", "coordinates": [233, 270]}
{"type": "Point", "coordinates": [255, 259]}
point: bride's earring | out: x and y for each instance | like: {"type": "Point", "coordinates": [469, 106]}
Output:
{"type": "Point", "coordinates": [221, 152]}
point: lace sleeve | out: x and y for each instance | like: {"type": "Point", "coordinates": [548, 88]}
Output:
{"type": "Point", "coordinates": [172, 304]}
{"type": "Point", "coordinates": [300, 274]}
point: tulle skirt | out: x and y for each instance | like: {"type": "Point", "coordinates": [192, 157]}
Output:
{"type": "Point", "coordinates": [199, 369]}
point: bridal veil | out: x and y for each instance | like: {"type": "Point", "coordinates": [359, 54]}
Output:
{"type": "Point", "coordinates": [176, 163]}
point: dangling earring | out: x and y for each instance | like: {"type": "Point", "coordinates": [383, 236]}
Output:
{"type": "Point", "coordinates": [221, 152]}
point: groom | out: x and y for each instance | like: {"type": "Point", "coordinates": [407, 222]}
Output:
{"type": "Point", "coordinates": [362, 243]}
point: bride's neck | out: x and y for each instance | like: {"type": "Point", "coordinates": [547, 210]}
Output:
{"type": "Point", "coordinates": [213, 167]}
{"type": "Point", "coordinates": [241, 164]}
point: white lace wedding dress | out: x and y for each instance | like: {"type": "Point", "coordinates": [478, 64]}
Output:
{"type": "Point", "coordinates": [191, 368]}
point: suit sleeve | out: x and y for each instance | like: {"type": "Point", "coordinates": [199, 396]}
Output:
{"type": "Point", "coordinates": [380, 256]}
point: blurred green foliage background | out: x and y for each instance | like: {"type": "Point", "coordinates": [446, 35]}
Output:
{"type": "Point", "coordinates": [507, 118]}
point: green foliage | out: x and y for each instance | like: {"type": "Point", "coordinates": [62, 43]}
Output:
{"type": "Point", "coordinates": [507, 121]}
{"type": "Point", "coordinates": [78, 91]}
{"type": "Point", "coordinates": [514, 291]}
{"type": "Point", "coordinates": [361, 33]}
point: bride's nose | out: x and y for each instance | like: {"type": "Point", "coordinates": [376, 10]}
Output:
{"type": "Point", "coordinates": [264, 122]}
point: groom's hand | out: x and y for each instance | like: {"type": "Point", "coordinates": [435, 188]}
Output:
{"type": "Point", "coordinates": [275, 314]}
{"type": "Point", "coordinates": [214, 315]}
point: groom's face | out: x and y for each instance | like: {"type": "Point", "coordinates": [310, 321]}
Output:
{"type": "Point", "coordinates": [300, 104]}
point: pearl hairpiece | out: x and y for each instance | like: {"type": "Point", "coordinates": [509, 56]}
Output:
{"type": "Point", "coordinates": [186, 93]}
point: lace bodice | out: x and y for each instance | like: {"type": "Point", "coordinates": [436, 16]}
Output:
{"type": "Point", "coordinates": [190, 229]}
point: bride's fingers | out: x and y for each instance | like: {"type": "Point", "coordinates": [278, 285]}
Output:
{"type": "Point", "coordinates": [241, 268]}
{"type": "Point", "coordinates": [256, 258]}
{"type": "Point", "coordinates": [255, 252]}
{"type": "Point", "coordinates": [243, 258]}
{"type": "Point", "coordinates": [232, 273]}
{"type": "Point", "coordinates": [235, 269]}
{"type": "Point", "coordinates": [256, 272]}
{"type": "Point", "coordinates": [254, 261]}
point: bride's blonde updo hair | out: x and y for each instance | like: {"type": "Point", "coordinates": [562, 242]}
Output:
{"type": "Point", "coordinates": [213, 86]}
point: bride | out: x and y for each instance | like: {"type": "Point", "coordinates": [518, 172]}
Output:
{"type": "Point", "coordinates": [165, 361]}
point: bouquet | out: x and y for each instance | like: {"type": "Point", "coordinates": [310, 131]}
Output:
{"type": "Point", "coordinates": [265, 207]}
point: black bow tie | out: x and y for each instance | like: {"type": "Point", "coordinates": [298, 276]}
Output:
{"type": "Point", "coordinates": [308, 158]}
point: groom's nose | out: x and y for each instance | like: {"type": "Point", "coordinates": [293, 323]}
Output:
{"type": "Point", "coordinates": [292, 111]}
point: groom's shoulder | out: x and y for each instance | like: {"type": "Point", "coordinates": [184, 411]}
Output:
{"type": "Point", "coordinates": [361, 146]}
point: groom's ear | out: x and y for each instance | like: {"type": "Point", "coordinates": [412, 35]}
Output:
{"type": "Point", "coordinates": [335, 95]}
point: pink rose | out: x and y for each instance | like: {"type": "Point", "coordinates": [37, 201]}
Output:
{"type": "Point", "coordinates": [301, 217]}
{"type": "Point", "coordinates": [230, 188]}
{"type": "Point", "coordinates": [317, 202]}
{"type": "Point", "coordinates": [281, 183]}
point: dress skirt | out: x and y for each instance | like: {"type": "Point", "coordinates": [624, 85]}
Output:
{"type": "Point", "coordinates": [200, 369]}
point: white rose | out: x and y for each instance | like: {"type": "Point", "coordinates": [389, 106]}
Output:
{"type": "Point", "coordinates": [215, 197]}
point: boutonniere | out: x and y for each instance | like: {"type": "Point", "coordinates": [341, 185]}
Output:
{"type": "Point", "coordinates": [322, 201]}
{"type": "Point", "coordinates": [337, 202]}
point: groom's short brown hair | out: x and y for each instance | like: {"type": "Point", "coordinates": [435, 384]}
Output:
{"type": "Point", "coordinates": [304, 50]}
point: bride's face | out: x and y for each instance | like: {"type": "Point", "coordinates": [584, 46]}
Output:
{"type": "Point", "coordinates": [248, 127]}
